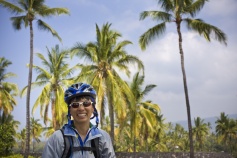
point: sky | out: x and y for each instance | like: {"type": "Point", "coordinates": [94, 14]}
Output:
{"type": "Point", "coordinates": [211, 67]}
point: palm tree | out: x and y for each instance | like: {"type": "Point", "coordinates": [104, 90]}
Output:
{"type": "Point", "coordinates": [54, 77]}
{"type": "Point", "coordinates": [22, 138]}
{"type": "Point", "coordinates": [175, 11]}
{"type": "Point", "coordinates": [176, 138]}
{"type": "Point", "coordinates": [106, 56]}
{"type": "Point", "coordinates": [27, 11]}
{"type": "Point", "coordinates": [9, 127]}
{"type": "Point", "coordinates": [157, 140]}
{"type": "Point", "coordinates": [48, 131]}
{"type": "Point", "coordinates": [9, 119]}
{"type": "Point", "coordinates": [221, 123]}
{"type": "Point", "coordinates": [142, 113]}
{"type": "Point", "coordinates": [36, 130]}
{"type": "Point", "coordinates": [7, 90]}
{"type": "Point", "coordinates": [200, 131]}
{"type": "Point", "coordinates": [226, 129]}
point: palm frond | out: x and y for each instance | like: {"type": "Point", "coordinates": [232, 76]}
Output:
{"type": "Point", "coordinates": [150, 34]}
{"type": "Point", "coordinates": [156, 15]}
{"type": "Point", "coordinates": [206, 30]}
{"type": "Point", "coordinates": [43, 26]}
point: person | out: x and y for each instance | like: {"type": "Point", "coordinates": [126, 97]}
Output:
{"type": "Point", "coordinates": [81, 101]}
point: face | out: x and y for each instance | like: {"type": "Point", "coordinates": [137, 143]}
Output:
{"type": "Point", "coordinates": [81, 109]}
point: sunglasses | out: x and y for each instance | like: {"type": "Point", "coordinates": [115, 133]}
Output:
{"type": "Point", "coordinates": [84, 103]}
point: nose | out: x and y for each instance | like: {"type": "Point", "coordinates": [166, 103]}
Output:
{"type": "Point", "coordinates": [81, 105]}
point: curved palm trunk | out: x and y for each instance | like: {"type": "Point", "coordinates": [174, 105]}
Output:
{"type": "Point", "coordinates": [27, 150]}
{"type": "Point", "coordinates": [186, 91]}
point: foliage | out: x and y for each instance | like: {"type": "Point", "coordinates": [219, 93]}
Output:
{"type": "Point", "coordinates": [7, 140]}
{"type": "Point", "coordinates": [21, 140]}
{"type": "Point", "coordinates": [104, 58]}
{"type": "Point", "coordinates": [53, 77]}
{"type": "Point", "coordinates": [7, 90]}
{"type": "Point", "coordinates": [16, 156]}
{"type": "Point", "coordinates": [142, 113]}
{"type": "Point", "coordinates": [25, 13]}
{"type": "Point", "coordinates": [178, 12]}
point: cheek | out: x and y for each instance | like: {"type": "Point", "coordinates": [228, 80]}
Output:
{"type": "Point", "coordinates": [91, 110]}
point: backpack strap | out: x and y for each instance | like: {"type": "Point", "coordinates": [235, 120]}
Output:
{"type": "Point", "coordinates": [69, 148]}
{"type": "Point", "coordinates": [67, 145]}
{"type": "Point", "coordinates": [95, 144]}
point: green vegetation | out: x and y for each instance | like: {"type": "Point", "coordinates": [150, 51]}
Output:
{"type": "Point", "coordinates": [135, 125]}
{"type": "Point", "coordinates": [178, 12]}
{"type": "Point", "coordinates": [25, 13]}
{"type": "Point", "coordinates": [7, 140]}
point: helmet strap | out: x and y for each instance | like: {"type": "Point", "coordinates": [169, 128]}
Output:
{"type": "Point", "coordinates": [69, 118]}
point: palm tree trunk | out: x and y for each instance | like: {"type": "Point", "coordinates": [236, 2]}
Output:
{"type": "Point", "coordinates": [27, 150]}
{"type": "Point", "coordinates": [53, 114]}
{"type": "Point", "coordinates": [186, 91]}
{"type": "Point", "coordinates": [134, 133]}
{"type": "Point", "coordinates": [111, 115]}
{"type": "Point", "coordinates": [111, 112]}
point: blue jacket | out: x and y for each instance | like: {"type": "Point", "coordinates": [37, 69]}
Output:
{"type": "Point", "coordinates": [55, 145]}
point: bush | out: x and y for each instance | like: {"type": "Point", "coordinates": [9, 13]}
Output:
{"type": "Point", "coordinates": [7, 140]}
{"type": "Point", "coordinates": [16, 156]}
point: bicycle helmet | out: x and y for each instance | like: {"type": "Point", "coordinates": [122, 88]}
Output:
{"type": "Point", "coordinates": [81, 89]}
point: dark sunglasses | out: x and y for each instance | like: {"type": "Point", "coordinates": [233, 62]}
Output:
{"type": "Point", "coordinates": [84, 103]}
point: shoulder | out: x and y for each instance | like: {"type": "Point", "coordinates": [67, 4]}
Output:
{"type": "Point", "coordinates": [54, 145]}
{"type": "Point", "coordinates": [105, 137]}
{"type": "Point", "coordinates": [56, 137]}
{"type": "Point", "coordinates": [104, 133]}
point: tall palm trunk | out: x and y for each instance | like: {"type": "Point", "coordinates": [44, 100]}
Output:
{"type": "Point", "coordinates": [134, 133]}
{"type": "Point", "coordinates": [27, 150]}
{"type": "Point", "coordinates": [111, 115]}
{"type": "Point", "coordinates": [111, 112]}
{"type": "Point", "coordinates": [53, 114]}
{"type": "Point", "coordinates": [185, 90]}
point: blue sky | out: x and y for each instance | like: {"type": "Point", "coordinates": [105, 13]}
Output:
{"type": "Point", "coordinates": [210, 67]}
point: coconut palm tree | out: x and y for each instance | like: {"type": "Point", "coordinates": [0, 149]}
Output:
{"type": "Point", "coordinates": [179, 11]}
{"type": "Point", "coordinates": [157, 141]}
{"type": "Point", "coordinates": [176, 138]}
{"type": "Point", "coordinates": [220, 123]}
{"type": "Point", "coordinates": [26, 12]}
{"type": "Point", "coordinates": [21, 137]}
{"type": "Point", "coordinates": [9, 119]}
{"type": "Point", "coordinates": [142, 113]}
{"type": "Point", "coordinates": [200, 131]}
{"type": "Point", "coordinates": [36, 130]}
{"type": "Point", "coordinates": [55, 76]}
{"type": "Point", "coordinates": [8, 90]}
{"type": "Point", "coordinates": [49, 130]}
{"type": "Point", "coordinates": [226, 129]}
{"type": "Point", "coordinates": [104, 58]}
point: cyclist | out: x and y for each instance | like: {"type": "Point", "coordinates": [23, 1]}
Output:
{"type": "Point", "coordinates": [79, 138]}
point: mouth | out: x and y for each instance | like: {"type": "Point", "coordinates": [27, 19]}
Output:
{"type": "Point", "coordinates": [81, 115]}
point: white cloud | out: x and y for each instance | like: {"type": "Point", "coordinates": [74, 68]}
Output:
{"type": "Point", "coordinates": [220, 8]}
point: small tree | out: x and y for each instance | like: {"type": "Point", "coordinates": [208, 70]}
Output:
{"type": "Point", "coordinates": [7, 140]}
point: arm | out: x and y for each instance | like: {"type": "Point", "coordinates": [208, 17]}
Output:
{"type": "Point", "coordinates": [54, 146]}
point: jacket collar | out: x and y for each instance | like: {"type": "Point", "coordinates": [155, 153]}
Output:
{"type": "Point", "coordinates": [70, 131]}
